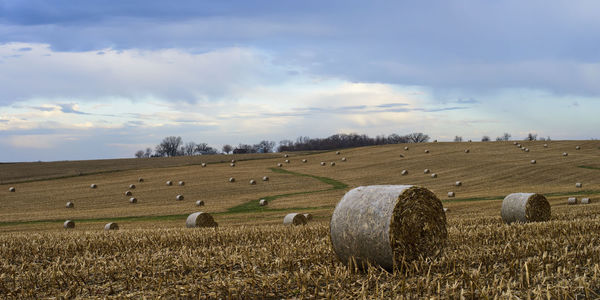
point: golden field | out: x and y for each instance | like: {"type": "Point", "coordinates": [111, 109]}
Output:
{"type": "Point", "coordinates": [251, 255]}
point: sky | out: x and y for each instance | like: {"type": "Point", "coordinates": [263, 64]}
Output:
{"type": "Point", "coordinates": [102, 79]}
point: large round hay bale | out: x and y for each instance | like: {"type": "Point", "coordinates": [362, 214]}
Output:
{"type": "Point", "coordinates": [577, 147]}
{"type": "Point", "coordinates": [265, 178]}
{"type": "Point", "coordinates": [322, 163]}
{"type": "Point", "coordinates": [467, 150]}
{"type": "Point", "coordinates": [203, 165]}
{"type": "Point", "coordinates": [200, 219]}
{"type": "Point", "coordinates": [406, 148]}
{"type": "Point", "coordinates": [426, 151]}
{"type": "Point", "coordinates": [401, 155]}
{"type": "Point", "coordinates": [252, 182]}
{"type": "Point", "coordinates": [450, 194]}
{"type": "Point", "coordinates": [68, 224]}
{"type": "Point", "coordinates": [458, 183]}
{"type": "Point", "coordinates": [426, 171]}
{"type": "Point", "coordinates": [386, 224]}
{"type": "Point", "coordinates": [280, 165]}
{"type": "Point", "coordinates": [128, 193]}
{"type": "Point", "coordinates": [332, 164]}
{"type": "Point", "coordinates": [343, 159]}
{"type": "Point", "coordinates": [308, 216]}
{"type": "Point", "coordinates": [179, 197]}
{"type": "Point", "coordinates": [337, 152]}
{"type": "Point", "coordinates": [287, 161]}
{"type": "Point", "coordinates": [232, 165]}
{"type": "Point", "coordinates": [231, 179]}
{"type": "Point", "coordinates": [169, 182]}
{"type": "Point", "coordinates": [111, 226]}
{"type": "Point", "coordinates": [140, 179]}
{"type": "Point", "coordinates": [518, 145]}
{"type": "Point", "coordinates": [132, 186]}
{"type": "Point", "coordinates": [545, 145]}
{"type": "Point", "coordinates": [93, 185]}
{"type": "Point", "coordinates": [578, 185]}
{"type": "Point", "coordinates": [181, 183]}
{"type": "Point", "coordinates": [404, 172]}
{"type": "Point", "coordinates": [525, 207]}
{"type": "Point", "coordinates": [533, 162]}
{"type": "Point", "coordinates": [199, 203]}
{"type": "Point", "coordinates": [133, 200]}
{"type": "Point", "coordinates": [526, 149]}
{"type": "Point", "coordinates": [263, 202]}
{"type": "Point", "coordinates": [12, 189]}
{"type": "Point", "coordinates": [514, 143]}
{"type": "Point", "coordinates": [586, 201]}
{"type": "Point", "coordinates": [304, 160]}
{"type": "Point", "coordinates": [572, 200]}
{"type": "Point", "coordinates": [285, 155]}
{"type": "Point", "coordinates": [294, 219]}
{"type": "Point", "coordinates": [565, 154]}
{"type": "Point", "coordinates": [233, 161]}
{"type": "Point", "coordinates": [434, 175]}
{"type": "Point", "coordinates": [70, 205]}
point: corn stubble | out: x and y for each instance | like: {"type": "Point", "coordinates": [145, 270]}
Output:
{"type": "Point", "coordinates": [483, 258]}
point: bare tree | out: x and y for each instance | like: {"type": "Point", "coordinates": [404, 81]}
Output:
{"type": "Point", "coordinates": [148, 152]}
{"type": "Point", "coordinates": [139, 154]}
{"type": "Point", "coordinates": [169, 146]}
{"type": "Point", "coordinates": [265, 146]}
{"type": "Point", "coordinates": [505, 137]}
{"type": "Point", "coordinates": [417, 137]}
{"type": "Point", "coordinates": [531, 137]}
{"type": "Point", "coordinates": [189, 149]}
{"type": "Point", "coordinates": [485, 138]}
{"type": "Point", "coordinates": [458, 138]}
{"type": "Point", "coordinates": [227, 148]}
{"type": "Point", "coordinates": [204, 149]}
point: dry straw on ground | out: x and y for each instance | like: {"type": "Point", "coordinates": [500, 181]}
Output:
{"type": "Point", "coordinates": [70, 205]}
{"type": "Point", "coordinates": [294, 219]}
{"type": "Point", "coordinates": [68, 224]}
{"type": "Point", "coordinates": [386, 224]}
{"type": "Point", "coordinates": [263, 202]}
{"type": "Point", "coordinates": [111, 226]}
{"type": "Point", "coordinates": [179, 197]}
{"type": "Point", "coordinates": [572, 200]}
{"type": "Point", "coordinates": [525, 207]}
{"type": "Point", "coordinates": [199, 203]}
{"type": "Point", "coordinates": [200, 219]}
{"type": "Point", "coordinates": [133, 200]}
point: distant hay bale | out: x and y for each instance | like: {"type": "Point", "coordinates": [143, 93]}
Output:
{"type": "Point", "coordinates": [406, 148]}
{"type": "Point", "coordinates": [578, 185]}
{"type": "Point", "coordinates": [435, 141]}
{"type": "Point", "coordinates": [181, 183]}
{"type": "Point", "coordinates": [533, 162]}
{"type": "Point", "coordinates": [322, 163]}
{"type": "Point", "coordinates": [332, 164]}
{"type": "Point", "coordinates": [565, 154]}
{"type": "Point", "coordinates": [265, 178]}
{"type": "Point", "coordinates": [467, 150]}
{"type": "Point", "coordinates": [280, 165]}
{"type": "Point", "coordinates": [514, 143]}
{"type": "Point", "coordinates": [287, 161]}
{"type": "Point", "coordinates": [426, 151]}
{"type": "Point", "coordinates": [203, 165]}
{"type": "Point", "coordinates": [404, 172]}
{"type": "Point", "coordinates": [450, 194]}
{"type": "Point", "coordinates": [308, 217]}
{"type": "Point", "coordinates": [93, 186]}
{"type": "Point", "coordinates": [525, 207]}
{"type": "Point", "coordinates": [200, 219]}
{"type": "Point", "coordinates": [518, 145]}
{"type": "Point", "coordinates": [12, 189]}
{"type": "Point", "coordinates": [233, 161]}
{"type": "Point", "coordinates": [434, 175]}
{"type": "Point", "coordinates": [169, 183]}
{"type": "Point", "coordinates": [337, 152]}
{"type": "Point", "coordinates": [68, 224]}
{"type": "Point", "coordinates": [128, 193]}
{"type": "Point", "coordinates": [401, 155]}
{"type": "Point", "coordinates": [458, 183]}
{"type": "Point", "coordinates": [179, 197]}
{"type": "Point", "coordinates": [577, 147]}
{"type": "Point", "coordinates": [426, 171]}
{"type": "Point", "coordinates": [285, 155]}
{"type": "Point", "coordinates": [133, 200]}
{"type": "Point", "coordinates": [572, 200]}
{"type": "Point", "coordinates": [252, 182]}
{"type": "Point", "coordinates": [304, 160]}
{"type": "Point", "coordinates": [545, 145]}
{"type": "Point", "coordinates": [140, 179]}
{"type": "Point", "coordinates": [586, 201]}
{"type": "Point", "coordinates": [231, 179]}
{"type": "Point", "coordinates": [526, 149]}
{"type": "Point", "coordinates": [70, 205]}
{"type": "Point", "coordinates": [111, 226]}
{"type": "Point", "coordinates": [232, 165]}
{"type": "Point", "coordinates": [199, 203]}
{"type": "Point", "coordinates": [343, 159]}
{"type": "Point", "coordinates": [294, 219]}
{"type": "Point", "coordinates": [132, 186]}
{"type": "Point", "coordinates": [263, 202]}
{"type": "Point", "coordinates": [387, 224]}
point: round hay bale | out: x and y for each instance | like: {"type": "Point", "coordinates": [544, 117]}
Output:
{"type": "Point", "coordinates": [233, 161]}
{"type": "Point", "coordinates": [294, 219]}
{"type": "Point", "coordinates": [435, 141]}
{"type": "Point", "coordinates": [514, 143]}
{"type": "Point", "coordinates": [140, 179]}
{"type": "Point", "coordinates": [199, 203]}
{"type": "Point", "coordinates": [181, 183]}
{"type": "Point", "coordinates": [287, 161]}
{"type": "Point", "coordinates": [525, 207]}
{"type": "Point", "coordinates": [68, 224]}
{"type": "Point", "coordinates": [179, 197]}
{"type": "Point", "coordinates": [169, 183]}
{"type": "Point", "coordinates": [93, 186]}
{"type": "Point", "coordinates": [426, 171]}
{"type": "Point", "coordinates": [252, 182]}
{"type": "Point", "coordinates": [545, 145]}
{"type": "Point", "coordinates": [565, 154]}
{"type": "Point", "coordinates": [458, 183]}
{"type": "Point", "coordinates": [385, 224]}
{"type": "Point", "coordinates": [308, 217]}
{"type": "Point", "coordinates": [128, 193]}
{"type": "Point", "coordinates": [132, 186]}
{"type": "Point", "coordinates": [263, 202]}
{"type": "Point", "coordinates": [426, 151]}
{"type": "Point", "coordinates": [280, 165]}
{"type": "Point", "coordinates": [518, 145]}
{"type": "Point", "coordinates": [12, 189]}
{"type": "Point", "coordinates": [133, 200]}
{"type": "Point", "coordinates": [577, 147]}
{"type": "Point", "coordinates": [401, 155]}
{"type": "Point", "coordinates": [111, 226]}
{"type": "Point", "coordinates": [337, 152]}
{"type": "Point", "coordinates": [70, 205]}
{"type": "Point", "coordinates": [343, 159]}
{"type": "Point", "coordinates": [445, 210]}
{"type": "Point", "coordinates": [332, 164]}
{"type": "Point", "coordinates": [404, 172]}
{"type": "Point", "coordinates": [322, 163]}
{"type": "Point", "coordinates": [450, 194]}
{"type": "Point", "coordinates": [526, 149]}
{"type": "Point", "coordinates": [232, 165]}
{"type": "Point", "coordinates": [304, 161]}
{"type": "Point", "coordinates": [200, 219]}
{"type": "Point", "coordinates": [586, 201]}
{"type": "Point", "coordinates": [572, 200]}
{"type": "Point", "coordinates": [467, 150]}
{"type": "Point", "coordinates": [578, 185]}
{"type": "Point", "coordinates": [434, 175]}
{"type": "Point", "coordinates": [285, 155]}
{"type": "Point", "coordinates": [265, 178]}
{"type": "Point", "coordinates": [533, 162]}
{"type": "Point", "coordinates": [231, 179]}
{"type": "Point", "coordinates": [203, 165]}
{"type": "Point", "coordinates": [406, 148]}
